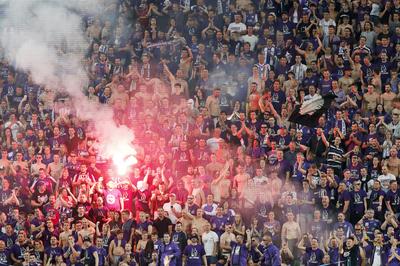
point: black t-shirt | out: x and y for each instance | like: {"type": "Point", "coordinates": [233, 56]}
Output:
{"type": "Point", "coordinates": [9, 239]}
{"type": "Point", "coordinates": [87, 207]}
{"type": "Point", "coordinates": [15, 100]}
{"type": "Point", "coordinates": [162, 226]}
{"type": "Point", "coordinates": [41, 197]}
{"type": "Point", "coordinates": [72, 143]}
{"type": "Point", "coordinates": [183, 160]}
{"type": "Point", "coordinates": [142, 200]}
{"type": "Point", "coordinates": [98, 214]}
{"type": "Point", "coordinates": [301, 28]}
{"type": "Point", "coordinates": [350, 255]}
{"type": "Point", "coordinates": [234, 139]}
{"type": "Point", "coordinates": [87, 256]}
{"type": "Point", "coordinates": [234, 46]}
{"type": "Point", "coordinates": [180, 239]}
{"type": "Point", "coordinates": [19, 250]}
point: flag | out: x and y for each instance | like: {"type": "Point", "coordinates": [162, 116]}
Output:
{"type": "Point", "coordinates": [309, 112]}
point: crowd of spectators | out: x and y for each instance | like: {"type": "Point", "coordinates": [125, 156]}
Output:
{"type": "Point", "coordinates": [223, 178]}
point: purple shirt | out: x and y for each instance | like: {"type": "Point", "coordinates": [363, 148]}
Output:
{"type": "Point", "coordinates": [194, 254]}
{"type": "Point", "coordinates": [218, 224]}
{"type": "Point", "coordinates": [278, 99]}
{"type": "Point", "coordinates": [313, 257]}
{"type": "Point", "coordinates": [394, 199]}
{"type": "Point", "coordinates": [325, 86]}
{"type": "Point", "coordinates": [357, 201]}
{"type": "Point", "coordinates": [238, 254]}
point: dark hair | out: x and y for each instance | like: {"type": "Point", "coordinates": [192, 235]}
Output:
{"type": "Point", "coordinates": [149, 248]}
{"type": "Point", "coordinates": [126, 211]}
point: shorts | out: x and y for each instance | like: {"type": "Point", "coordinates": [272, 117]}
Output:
{"type": "Point", "coordinates": [211, 260]}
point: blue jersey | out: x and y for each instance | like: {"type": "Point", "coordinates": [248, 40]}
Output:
{"type": "Point", "coordinates": [271, 256]}
{"type": "Point", "coordinates": [171, 250]}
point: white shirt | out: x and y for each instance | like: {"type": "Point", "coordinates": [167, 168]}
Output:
{"type": "Point", "coordinates": [250, 39]}
{"type": "Point", "coordinates": [299, 71]}
{"type": "Point", "coordinates": [167, 207]}
{"type": "Point", "coordinates": [385, 181]}
{"type": "Point", "coordinates": [310, 97]}
{"type": "Point", "coordinates": [325, 25]}
{"type": "Point", "coordinates": [213, 143]}
{"type": "Point", "coordinates": [213, 212]}
{"type": "Point", "coordinates": [370, 185]}
{"type": "Point", "coordinates": [395, 128]}
{"type": "Point", "coordinates": [375, 9]}
{"type": "Point", "coordinates": [14, 128]}
{"type": "Point", "coordinates": [236, 27]}
{"type": "Point", "coordinates": [209, 241]}
{"type": "Point", "coordinates": [377, 257]}
{"type": "Point", "coordinates": [295, 17]}
{"type": "Point", "coordinates": [270, 56]}
{"type": "Point", "coordinates": [258, 180]}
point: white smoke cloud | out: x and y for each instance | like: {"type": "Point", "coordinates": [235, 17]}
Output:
{"type": "Point", "coordinates": [47, 39]}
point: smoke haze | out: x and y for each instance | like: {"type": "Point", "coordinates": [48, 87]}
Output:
{"type": "Point", "coordinates": [47, 39]}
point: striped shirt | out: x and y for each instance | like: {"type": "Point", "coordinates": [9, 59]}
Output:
{"type": "Point", "coordinates": [334, 157]}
